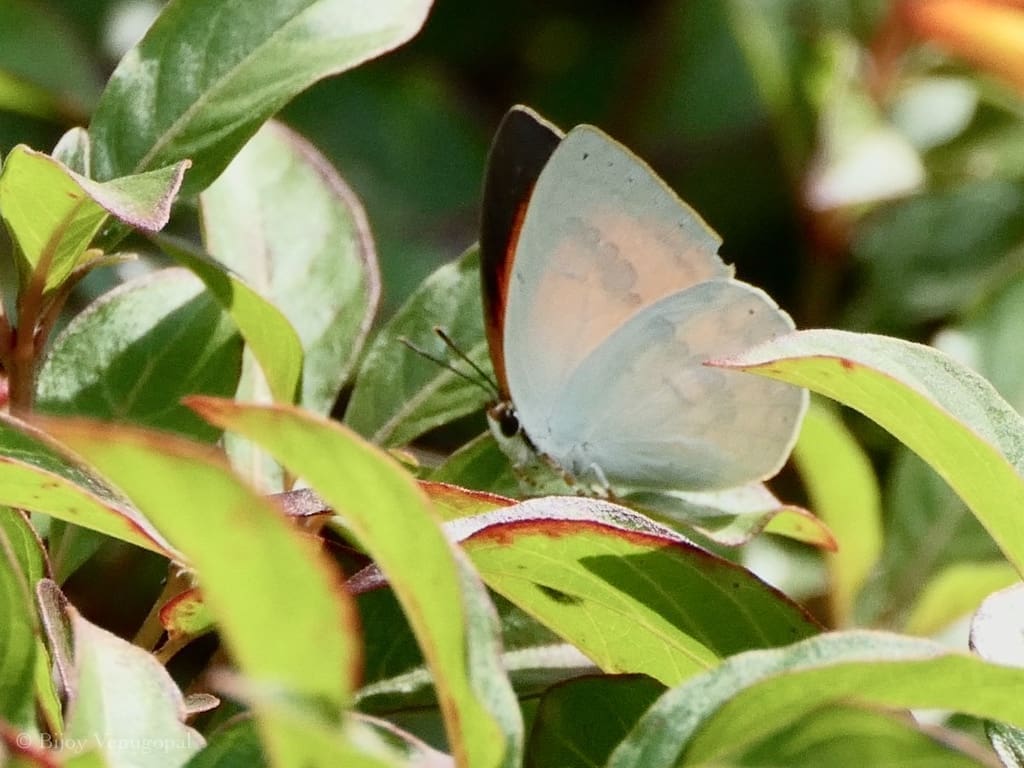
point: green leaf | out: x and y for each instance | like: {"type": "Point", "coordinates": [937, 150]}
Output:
{"type": "Point", "coordinates": [74, 150]}
{"type": "Point", "coordinates": [946, 413]}
{"type": "Point", "coordinates": [33, 477]}
{"type": "Point", "coordinates": [55, 678]}
{"type": "Point", "coordinates": [18, 639]}
{"type": "Point", "coordinates": [208, 73]}
{"type": "Point", "coordinates": [844, 492]}
{"type": "Point", "coordinates": [266, 331]}
{"type": "Point", "coordinates": [751, 696]}
{"type": "Point", "coordinates": [23, 543]}
{"type": "Point", "coordinates": [135, 352]}
{"type": "Point", "coordinates": [399, 394]}
{"type": "Point", "coordinates": [734, 516]}
{"type": "Point", "coordinates": [391, 519]}
{"type": "Point", "coordinates": [848, 737]}
{"type": "Point", "coordinates": [955, 592]}
{"type": "Point", "coordinates": [191, 495]}
{"type": "Point", "coordinates": [776, 54]}
{"type": "Point", "coordinates": [51, 210]}
{"type": "Point", "coordinates": [408, 191]}
{"type": "Point", "coordinates": [580, 721]}
{"type": "Point", "coordinates": [282, 217]}
{"type": "Point", "coordinates": [131, 356]}
{"type": "Point", "coordinates": [479, 464]}
{"type": "Point", "coordinates": [595, 572]}
{"type": "Point", "coordinates": [126, 704]}
{"type": "Point", "coordinates": [19, 540]}
{"type": "Point", "coordinates": [452, 502]}
{"type": "Point", "coordinates": [391, 653]}
{"type": "Point", "coordinates": [18, 95]}
{"type": "Point", "coordinates": [397, 681]}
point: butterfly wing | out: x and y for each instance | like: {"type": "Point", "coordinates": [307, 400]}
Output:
{"type": "Point", "coordinates": [602, 238]}
{"type": "Point", "coordinates": [644, 412]}
{"type": "Point", "coordinates": [522, 146]}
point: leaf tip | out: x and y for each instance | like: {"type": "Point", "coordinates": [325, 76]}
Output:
{"type": "Point", "coordinates": [209, 408]}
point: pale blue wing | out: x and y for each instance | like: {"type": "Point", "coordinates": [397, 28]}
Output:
{"type": "Point", "coordinates": [603, 237]}
{"type": "Point", "coordinates": [644, 412]}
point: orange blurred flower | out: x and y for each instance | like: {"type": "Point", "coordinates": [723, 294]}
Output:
{"type": "Point", "coordinates": [988, 33]}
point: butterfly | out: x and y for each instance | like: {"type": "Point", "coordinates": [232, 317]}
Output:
{"type": "Point", "coordinates": [604, 296]}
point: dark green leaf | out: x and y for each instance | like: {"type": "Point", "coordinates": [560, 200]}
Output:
{"type": "Point", "coordinates": [595, 572]}
{"type": "Point", "coordinates": [579, 722]}
{"type": "Point", "coordinates": [850, 737]}
{"type": "Point", "coordinates": [266, 330]}
{"type": "Point", "coordinates": [237, 745]}
{"type": "Point", "coordinates": [134, 353]}
{"type": "Point", "coordinates": [400, 394]}
{"type": "Point", "coordinates": [927, 530]}
{"type": "Point", "coordinates": [915, 250]}
{"type": "Point", "coordinates": [210, 72]}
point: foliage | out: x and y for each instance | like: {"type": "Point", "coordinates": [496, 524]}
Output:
{"type": "Point", "coordinates": [244, 523]}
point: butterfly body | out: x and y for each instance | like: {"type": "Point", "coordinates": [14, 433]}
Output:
{"type": "Point", "coordinates": [604, 297]}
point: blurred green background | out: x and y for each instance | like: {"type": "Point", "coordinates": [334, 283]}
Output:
{"type": "Point", "coordinates": [672, 80]}
{"type": "Point", "coordinates": [741, 106]}
{"type": "Point", "coordinates": [856, 168]}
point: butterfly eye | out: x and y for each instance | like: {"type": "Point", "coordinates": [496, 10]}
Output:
{"type": "Point", "coordinates": [504, 414]}
{"type": "Point", "coordinates": [510, 424]}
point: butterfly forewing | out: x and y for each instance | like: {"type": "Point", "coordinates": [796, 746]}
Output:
{"type": "Point", "coordinates": [603, 237]}
{"type": "Point", "coordinates": [522, 146]}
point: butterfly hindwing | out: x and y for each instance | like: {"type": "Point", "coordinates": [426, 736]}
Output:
{"type": "Point", "coordinates": [644, 410]}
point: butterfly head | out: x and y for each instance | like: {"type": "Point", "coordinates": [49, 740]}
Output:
{"type": "Point", "coordinates": [511, 438]}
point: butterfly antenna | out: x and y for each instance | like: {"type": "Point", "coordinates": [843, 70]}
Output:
{"type": "Point", "coordinates": [491, 385]}
{"type": "Point", "coordinates": [484, 384]}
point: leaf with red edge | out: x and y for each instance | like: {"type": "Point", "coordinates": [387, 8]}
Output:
{"type": "Point", "coordinates": [53, 212]}
{"type": "Point", "coordinates": [186, 615]}
{"type": "Point", "coordinates": [595, 573]}
{"type": "Point", "coordinates": [941, 409]}
{"type": "Point", "coordinates": [275, 596]}
{"type": "Point", "coordinates": [452, 501]}
{"type": "Point", "coordinates": [392, 520]}
{"type": "Point", "coordinates": [33, 477]}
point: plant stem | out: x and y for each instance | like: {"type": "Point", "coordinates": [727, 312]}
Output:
{"type": "Point", "coordinates": [178, 580]}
